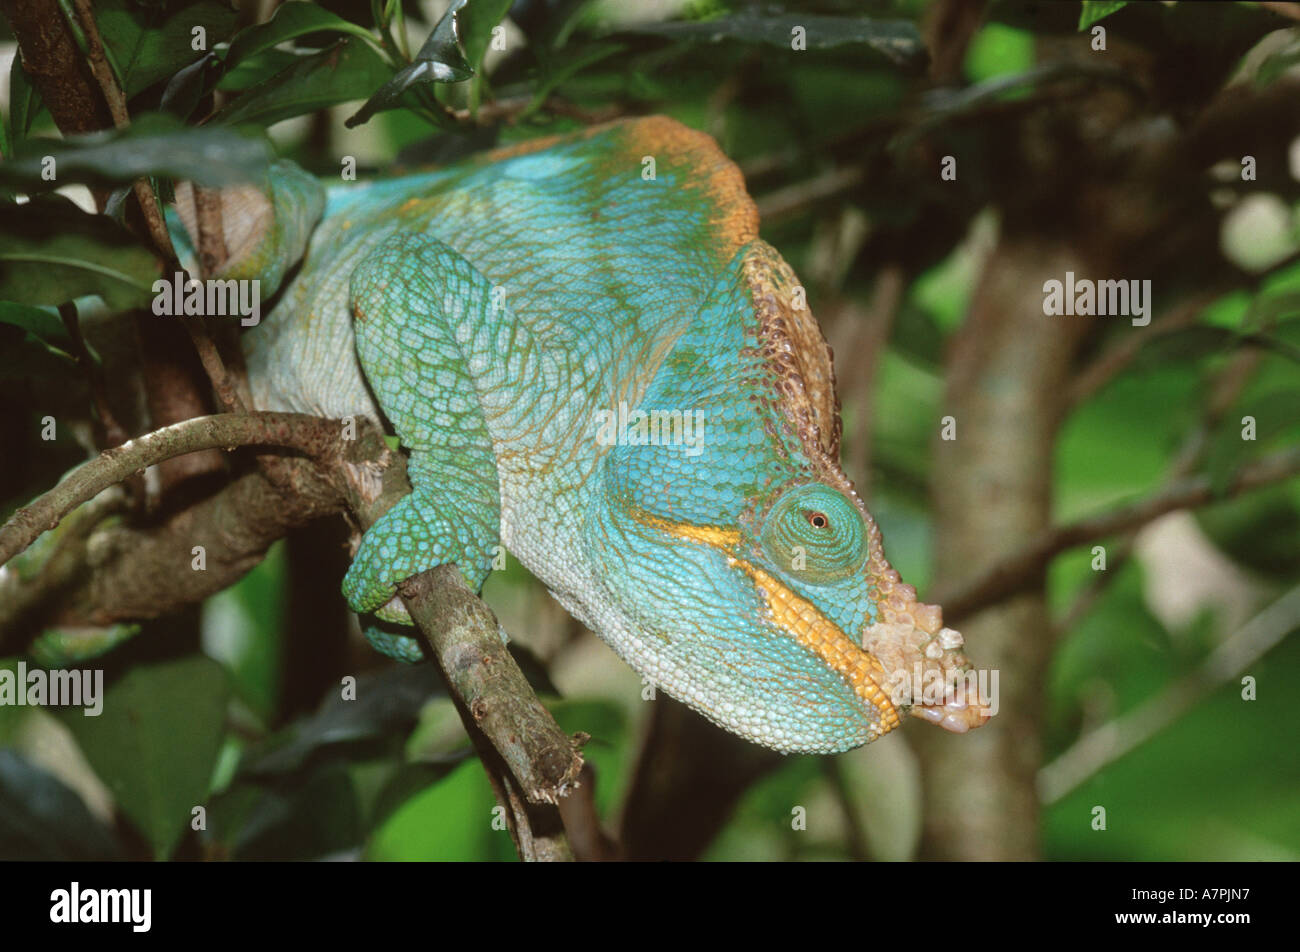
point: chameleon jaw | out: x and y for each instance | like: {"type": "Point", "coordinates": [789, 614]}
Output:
{"type": "Point", "coordinates": [913, 665]}
{"type": "Point", "coordinates": [909, 646]}
{"type": "Point", "coordinates": [814, 631]}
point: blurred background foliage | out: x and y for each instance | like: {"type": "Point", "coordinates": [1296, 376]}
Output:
{"type": "Point", "coordinates": [236, 705]}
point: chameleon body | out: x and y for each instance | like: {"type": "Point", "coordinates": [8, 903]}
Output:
{"type": "Point", "coordinates": [539, 326]}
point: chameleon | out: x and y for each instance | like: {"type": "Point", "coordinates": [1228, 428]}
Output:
{"type": "Point", "coordinates": [593, 360]}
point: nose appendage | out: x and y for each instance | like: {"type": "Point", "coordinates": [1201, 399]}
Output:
{"type": "Point", "coordinates": [927, 672]}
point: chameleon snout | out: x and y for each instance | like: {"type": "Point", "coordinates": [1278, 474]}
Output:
{"type": "Point", "coordinates": [929, 676]}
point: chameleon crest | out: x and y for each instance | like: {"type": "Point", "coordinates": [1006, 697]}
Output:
{"type": "Point", "coordinates": [608, 372]}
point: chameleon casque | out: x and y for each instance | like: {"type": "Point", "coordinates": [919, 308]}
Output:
{"type": "Point", "coordinates": [491, 310]}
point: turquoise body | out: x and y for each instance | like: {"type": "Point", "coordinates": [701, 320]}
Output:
{"type": "Point", "coordinates": [506, 317]}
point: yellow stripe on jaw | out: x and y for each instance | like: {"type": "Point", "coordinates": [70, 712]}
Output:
{"type": "Point", "coordinates": [715, 536]}
{"type": "Point", "coordinates": [814, 631]}
{"type": "Point", "coordinates": [798, 617]}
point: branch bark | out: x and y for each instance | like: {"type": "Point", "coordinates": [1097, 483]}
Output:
{"type": "Point", "coordinates": [142, 573]}
{"type": "Point", "coordinates": [1025, 567]}
{"type": "Point", "coordinates": [467, 641]}
{"type": "Point", "coordinates": [51, 58]}
{"type": "Point", "coordinates": [314, 436]}
{"type": "Point", "coordinates": [991, 489]}
{"type": "Point", "coordinates": [211, 239]}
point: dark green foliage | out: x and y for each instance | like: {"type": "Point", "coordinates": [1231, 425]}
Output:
{"type": "Point", "coordinates": [391, 775]}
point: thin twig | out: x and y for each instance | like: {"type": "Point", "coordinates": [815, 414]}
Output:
{"type": "Point", "coordinates": [99, 65]}
{"type": "Point", "coordinates": [155, 223]}
{"type": "Point", "coordinates": [311, 435]}
{"type": "Point", "coordinates": [582, 826]}
{"type": "Point", "coordinates": [231, 387]}
{"type": "Point", "coordinates": [212, 237]}
{"type": "Point", "coordinates": [796, 197]}
{"type": "Point", "coordinates": [1113, 360]}
{"type": "Point", "coordinates": [1116, 738]}
{"type": "Point", "coordinates": [1224, 390]}
{"type": "Point", "coordinates": [1021, 569]}
{"type": "Point", "coordinates": [130, 572]}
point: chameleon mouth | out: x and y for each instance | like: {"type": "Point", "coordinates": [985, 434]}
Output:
{"type": "Point", "coordinates": [927, 675]}
{"type": "Point", "coordinates": [910, 665]}
{"type": "Point", "coordinates": [899, 661]}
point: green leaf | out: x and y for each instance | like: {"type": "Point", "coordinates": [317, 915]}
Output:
{"type": "Point", "coordinates": [290, 21]}
{"type": "Point", "coordinates": [348, 70]}
{"type": "Point", "coordinates": [258, 69]}
{"type": "Point", "coordinates": [1260, 530]}
{"type": "Point", "coordinates": [548, 25]}
{"type": "Point", "coordinates": [156, 742]}
{"type": "Point", "coordinates": [1094, 10]}
{"type": "Point", "coordinates": [43, 820]}
{"type": "Point", "coordinates": [917, 335]}
{"type": "Point", "coordinates": [997, 50]}
{"type": "Point", "coordinates": [1185, 345]}
{"type": "Point", "coordinates": [24, 356]}
{"type": "Point", "coordinates": [24, 103]}
{"type": "Point", "coordinates": [386, 706]}
{"type": "Point", "coordinates": [188, 87]}
{"type": "Point", "coordinates": [1277, 64]}
{"type": "Point", "coordinates": [477, 21]}
{"type": "Point", "coordinates": [45, 323]}
{"type": "Point", "coordinates": [52, 252]}
{"type": "Point", "coordinates": [1113, 448]}
{"type": "Point", "coordinates": [607, 751]}
{"type": "Point", "coordinates": [306, 820]}
{"type": "Point", "coordinates": [243, 628]}
{"type": "Point", "coordinates": [149, 42]}
{"type": "Point", "coordinates": [155, 144]}
{"type": "Point", "coordinates": [406, 782]}
{"type": "Point", "coordinates": [438, 61]}
{"type": "Point", "coordinates": [894, 41]}
{"type": "Point", "coordinates": [68, 647]}
{"type": "Point", "coordinates": [567, 69]}
{"type": "Point", "coordinates": [449, 820]}
{"type": "Point", "coordinates": [1274, 413]}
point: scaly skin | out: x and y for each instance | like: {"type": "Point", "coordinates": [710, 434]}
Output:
{"type": "Point", "coordinates": [496, 308]}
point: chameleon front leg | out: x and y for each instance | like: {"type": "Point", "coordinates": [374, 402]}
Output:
{"type": "Point", "coordinates": [422, 315]}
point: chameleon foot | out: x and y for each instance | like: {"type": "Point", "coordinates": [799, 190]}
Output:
{"type": "Point", "coordinates": [406, 542]}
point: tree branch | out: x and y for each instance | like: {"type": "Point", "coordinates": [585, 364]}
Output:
{"type": "Point", "coordinates": [49, 55]}
{"type": "Point", "coordinates": [228, 379]}
{"type": "Point", "coordinates": [467, 641]}
{"type": "Point", "coordinates": [1022, 569]}
{"type": "Point", "coordinates": [310, 435]}
{"type": "Point", "coordinates": [135, 574]}
{"type": "Point", "coordinates": [212, 244]}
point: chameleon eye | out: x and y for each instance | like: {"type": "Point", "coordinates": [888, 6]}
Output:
{"type": "Point", "coordinates": [815, 533]}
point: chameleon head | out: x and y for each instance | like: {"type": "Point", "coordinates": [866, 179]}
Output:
{"type": "Point", "coordinates": [807, 639]}
{"type": "Point", "coordinates": [747, 578]}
